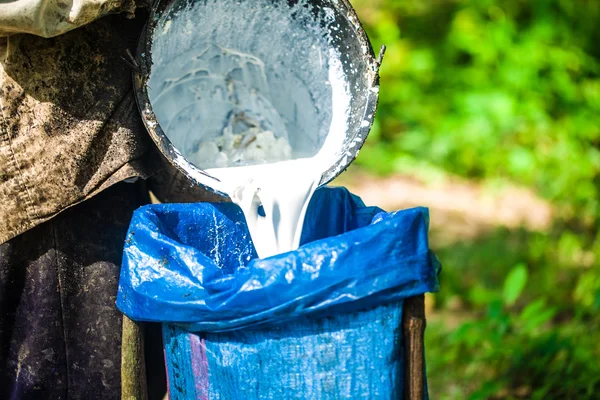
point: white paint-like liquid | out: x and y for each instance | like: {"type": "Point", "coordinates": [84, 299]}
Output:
{"type": "Point", "coordinates": [283, 190]}
{"type": "Point", "coordinates": [293, 88]}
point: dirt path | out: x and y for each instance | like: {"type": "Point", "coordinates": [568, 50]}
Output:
{"type": "Point", "coordinates": [459, 208]}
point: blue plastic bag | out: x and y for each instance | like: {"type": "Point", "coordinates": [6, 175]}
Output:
{"type": "Point", "coordinates": [194, 264]}
{"type": "Point", "coordinates": [321, 322]}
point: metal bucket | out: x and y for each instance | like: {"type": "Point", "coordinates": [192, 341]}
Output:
{"type": "Point", "coordinates": [280, 39]}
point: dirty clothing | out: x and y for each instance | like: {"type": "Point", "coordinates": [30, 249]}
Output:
{"type": "Point", "coordinates": [51, 18]}
{"type": "Point", "coordinates": [69, 125]}
{"type": "Point", "coordinates": [69, 133]}
{"type": "Point", "coordinates": [60, 333]}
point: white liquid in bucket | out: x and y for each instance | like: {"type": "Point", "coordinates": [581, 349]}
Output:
{"type": "Point", "coordinates": [295, 95]}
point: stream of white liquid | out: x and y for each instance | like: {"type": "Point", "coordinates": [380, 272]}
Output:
{"type": "Point", "coordinates": [283, 190]}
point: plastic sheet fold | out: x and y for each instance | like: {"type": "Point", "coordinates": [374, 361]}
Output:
{"type": "Point", "coordinates": [194, 265]}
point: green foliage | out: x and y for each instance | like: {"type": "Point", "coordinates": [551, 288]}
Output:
{"type": "Point", "coordinates": [502, 90]}
{"type": "Point", "coordinates": [527, 331]}
{"type": "Point", "coordinates": [514, 284]}
{"type": "Point", "coordinates": [491, 88]}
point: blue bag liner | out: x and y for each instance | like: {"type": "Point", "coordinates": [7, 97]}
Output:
{"type": "Point", "coordinates": [320, 322]}
{"type": "Point", "coordinates": [195, 264]}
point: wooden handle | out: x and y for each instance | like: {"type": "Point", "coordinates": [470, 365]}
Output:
{"type": "Point", "coordinates": [413, 322]}
{"type": "Point", "coordinates": [133, 368]}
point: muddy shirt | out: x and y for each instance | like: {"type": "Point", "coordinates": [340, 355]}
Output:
{"type": "Point", "coordinates": [69, 126]}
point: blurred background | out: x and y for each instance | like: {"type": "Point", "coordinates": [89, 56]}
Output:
{"type": "Point", "coordinates": [490, 116]}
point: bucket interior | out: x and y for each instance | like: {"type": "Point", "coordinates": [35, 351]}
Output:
{"type": "Point", "coordinates": [300, 69]}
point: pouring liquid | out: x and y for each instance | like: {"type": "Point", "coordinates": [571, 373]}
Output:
{"type": "Point", "coordinates": [274, 198]}
{"type": "Point", "coordinates": [221, 88]}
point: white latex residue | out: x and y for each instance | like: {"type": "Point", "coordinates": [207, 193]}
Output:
{"type": "Point", "coordinates": [250, 147]}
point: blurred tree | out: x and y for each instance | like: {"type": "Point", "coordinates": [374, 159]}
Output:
{"type": "Point", "coordinates": [502, 90]}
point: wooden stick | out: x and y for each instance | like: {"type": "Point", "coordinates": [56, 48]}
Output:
{"type": "Point", "coordinates": [413, 322]}
{"type": "Point", "coordinates": [133, 368]}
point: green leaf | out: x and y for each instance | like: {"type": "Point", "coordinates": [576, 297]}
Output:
{"type": "Point", "coordinates": [539, 319]}
{"type": "Point", "coordinates": [536, 314]}
{"type": "Point", "coordinates": [533, 308]}
{"type": "Point", "coordinates": [514, 284]}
